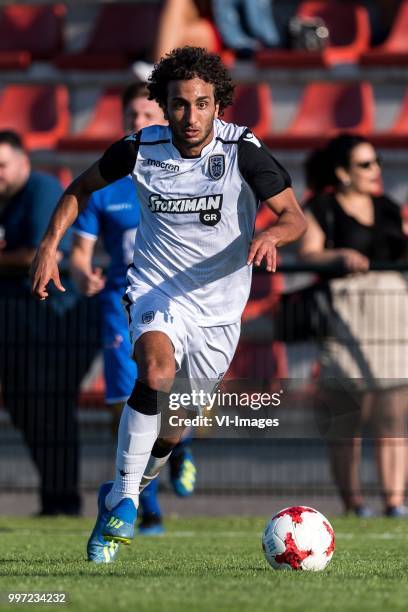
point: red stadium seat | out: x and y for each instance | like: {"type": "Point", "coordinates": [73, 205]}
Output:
{"type": "Point", "coordinates": [397, 135]}
{"type": "Point", "coordinates": [324, 110]}
{"type": "Point", "coordinates": [104, 127]}
{"type": "Point", "coordinates": [30, 33]}
{"type": "Point", "coordinates": [349, 28]}
{"type": "Point", "coordinates": [252, 107]}
{"type": "Point", "coordinates": [123, 32]}
{"type": "Point", "coordinates": [93, 394]}
{"type": "Point", "coordinates": [39, 113]}
{"type": "Point", "coordinates": [64, 175]}
{"type": "Point", "coordinates": [394, 51]}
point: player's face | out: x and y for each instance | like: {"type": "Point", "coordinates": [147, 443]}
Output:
{"type": "Point", "coordinates": [191, 110]}
{"type": "Point", "coordinates": [141, 112]}
{"type": "Point", "coordinates": [364, 173]}
{"type": "Point", "coordinates": [14, 169]}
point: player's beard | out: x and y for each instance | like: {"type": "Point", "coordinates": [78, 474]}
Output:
{"type": "Point", "coordinates": [179, 138]}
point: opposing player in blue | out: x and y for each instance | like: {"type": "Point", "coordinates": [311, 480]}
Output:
{"type": "Point", "coordinates": [114, 213]}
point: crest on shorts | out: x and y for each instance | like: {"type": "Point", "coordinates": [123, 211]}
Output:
{"type": "Point", "coordinates": [216, 166]}
{"type": "Point", "coordinates": [147, 317]}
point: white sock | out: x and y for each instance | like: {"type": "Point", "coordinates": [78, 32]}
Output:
{"type": "Point", "coordinates": [136, 436]}
{"type": "Point", "coordinates": [154, 465]}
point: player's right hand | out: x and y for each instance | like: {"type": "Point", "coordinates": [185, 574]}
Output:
{"type": "Point", "coordinates": [43, 269]}
{"type": "Point", "coordinates": [92, 283]}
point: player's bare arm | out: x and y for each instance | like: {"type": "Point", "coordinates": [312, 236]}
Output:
{"type": "Point", "coordinates": [117, 162]}
{"type": "Point", "coordinates": [45, 267]}
{"type": "Point", "coordinates": [88, 279]}
{"type": "Point", "coordinates": [291, 226]}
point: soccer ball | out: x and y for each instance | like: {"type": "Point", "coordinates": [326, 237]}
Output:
{"type": "Point", "coordinates": [298, 538]}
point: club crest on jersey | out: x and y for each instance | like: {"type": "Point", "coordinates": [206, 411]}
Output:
{"type": "Point", "coordinates": [147, 317]}
{"type": "Point", "coordinates": [216, 166]}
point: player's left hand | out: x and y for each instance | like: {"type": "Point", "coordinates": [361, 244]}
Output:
{"type": "Point", "coordinates": [263, 246]}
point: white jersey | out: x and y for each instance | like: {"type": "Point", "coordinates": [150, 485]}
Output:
{"type": "Point", "coordinates": [198, 216]}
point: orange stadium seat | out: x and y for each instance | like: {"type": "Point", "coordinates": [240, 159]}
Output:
{"type": "Point", "coordinates": [63, 174]}
{"type": "Point", "coordinates": [104, 127]}
{"type": "Point", "coordinates": [324, 110]}
{"type": "Point", "coordinates": [39, 113]}
{"type": "Point", "coordinates": [349, 28]}
{"type": "Point", "coordinates": [252, 107]}
{"type": "Point", "coordinates": [394, 51]}
{"type": "Point", "coordinates": [30, 33]}
{"type": "Point", "coordinates": [397, 135]}
{"type": "Point", "coordinates": [123, 32]}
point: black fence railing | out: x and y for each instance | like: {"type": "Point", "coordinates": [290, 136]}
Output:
{"type": "Point", "coordinates": [347, 334]}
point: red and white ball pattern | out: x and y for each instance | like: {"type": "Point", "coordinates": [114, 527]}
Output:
{"type": "Point", "coordinates": [298, 538]}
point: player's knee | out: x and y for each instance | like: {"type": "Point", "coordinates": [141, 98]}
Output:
{"type": "Point", "coordinates": [158, 373]}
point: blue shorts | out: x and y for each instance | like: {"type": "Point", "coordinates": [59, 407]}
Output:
{"type": "Point", "coordinates": [119, 368]}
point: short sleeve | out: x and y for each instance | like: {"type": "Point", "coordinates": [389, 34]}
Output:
{"type": "Point", "coordinates": [264, 174]}
{"type": "Point", "coordinates": [44, 193]}
{"type": "Point", "coordinates": [87, 223]}
{"type": "Point", "coordinates": [120, 158]}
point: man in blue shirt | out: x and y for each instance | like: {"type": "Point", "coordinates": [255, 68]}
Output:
{"type": "Point", "coordinates": [40, 366]}
{"type": "Point", "coordinates": [113, 212]}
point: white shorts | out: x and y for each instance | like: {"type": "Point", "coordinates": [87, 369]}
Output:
{"type": "Point", "coordinates": [202, 354]}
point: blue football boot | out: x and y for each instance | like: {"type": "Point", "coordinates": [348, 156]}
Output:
{"type": "Point", "coordinates": [183, 472]}
{"type": "Point", "coordinates": [98, 549]}
{"type": "Point", "coordinates": [151, 522]}
{"type": "Point", "coordinates": [150, 525]}
{"type": "Point", "coordinates": [120, 522]}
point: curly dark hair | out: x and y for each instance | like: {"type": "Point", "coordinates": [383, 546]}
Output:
{"type": "Point", "coordinates": [187, 63]}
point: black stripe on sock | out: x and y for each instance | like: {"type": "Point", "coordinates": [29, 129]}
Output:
{"type": "Point", "coordinates": [146, 400]}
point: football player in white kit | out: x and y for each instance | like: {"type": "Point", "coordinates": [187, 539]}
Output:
{"type": "Point", "coordinates": [199, 182]}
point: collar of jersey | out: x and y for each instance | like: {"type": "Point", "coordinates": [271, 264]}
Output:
{"type": "Point", "coordinates": [204, 150]}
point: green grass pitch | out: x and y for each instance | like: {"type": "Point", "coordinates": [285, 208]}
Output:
{"type": "Point", "coordinates": [208, 564]}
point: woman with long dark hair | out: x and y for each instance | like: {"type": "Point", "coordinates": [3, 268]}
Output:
{"type": "Point", "coordinates": [364, 356]}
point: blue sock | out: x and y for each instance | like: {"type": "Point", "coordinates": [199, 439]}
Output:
{"type": "Point", "coordinates": [149, 503]}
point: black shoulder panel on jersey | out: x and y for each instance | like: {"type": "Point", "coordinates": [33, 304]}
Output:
{"type": "Point", "coordinates": [120, 158]}
{"type": "Point", "coordinates": [226, 141]}
{"type": "Point", "coordinates": [265, 175]}
{"type": "Point", "coordinates": [155, 142]}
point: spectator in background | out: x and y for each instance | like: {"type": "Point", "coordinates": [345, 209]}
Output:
{"type": "Point", "coordinates": [182, 22]}
{"type": "Point", "coordinates": [114, 212]}
{"type": "Point", "coordinates": [351, 222]}
{"type": "Point", "coordinates": [39, 372]}
{"type": "Point", "coordinates": [246, 25]}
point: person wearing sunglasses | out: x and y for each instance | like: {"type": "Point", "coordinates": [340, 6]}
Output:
{"type": "Point", "coordinates": [363, 362]}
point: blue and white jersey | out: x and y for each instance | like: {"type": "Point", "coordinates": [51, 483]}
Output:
{"type": "Point", "coordinates": [114, 213]}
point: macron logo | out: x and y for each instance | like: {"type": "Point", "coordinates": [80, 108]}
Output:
{"type": "Point", "coordinates": [251, 138]}
{"type": "Point", "coordinates": [161, 164]}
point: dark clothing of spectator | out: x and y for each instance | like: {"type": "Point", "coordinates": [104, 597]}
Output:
{"type": "Point", "coordinates": [26, 215]}
{"type": "Point", "coordinates": [382, 241]}
{"type": "Point", "coordinates": [45, 350]}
